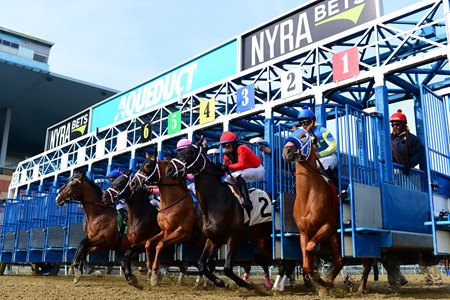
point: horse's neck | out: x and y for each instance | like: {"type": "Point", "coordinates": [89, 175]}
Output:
{"type": "Point", "coordinates": [139, 205]}
{"type": "Point", "coordinates": [209, 188]}
{"type": "Point", "coordinates": [92, 203]}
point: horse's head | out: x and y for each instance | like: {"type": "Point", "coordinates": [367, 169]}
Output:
{"type": "Point", "coordinates": [116, 188]}
{"type": "Point", "coordinates": [298, 146]}
{"type": "Point", "coordinates": [148, 172]}
{"type": "Point", "coordinates": [72, 189]}
{"type": "Point", "coordinates": [191, 159]}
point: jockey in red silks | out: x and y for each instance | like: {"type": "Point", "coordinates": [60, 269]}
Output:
{"type": "Point", "coordinates": [243, 163]}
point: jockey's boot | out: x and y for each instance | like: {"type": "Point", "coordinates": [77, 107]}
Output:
{"type": "Point", "coordinates": [242, 185]}
{"type": "Point", "coordinates": [333, 175]}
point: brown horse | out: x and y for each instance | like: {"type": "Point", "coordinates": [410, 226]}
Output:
{"type": "Point", "coordinates": [316, 210]}
{"type": "Point", "coordinates": [142, 223]}
{"type": "Point", "coordinates": [101, 219]}
{"type": "Point", "coordinates": [176, 218]}
{"type": "Point", "coordinates": [223, 215]}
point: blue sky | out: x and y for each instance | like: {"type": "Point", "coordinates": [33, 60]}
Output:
{"type": "Point", "coordinates": [120, 44]}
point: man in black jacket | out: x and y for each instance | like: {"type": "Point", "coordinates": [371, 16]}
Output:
{"type": "Point", "coordinates": [406, 147]}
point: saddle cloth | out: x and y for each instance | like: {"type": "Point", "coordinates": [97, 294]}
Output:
{"type": "Point", "coordinates": [262, 206]}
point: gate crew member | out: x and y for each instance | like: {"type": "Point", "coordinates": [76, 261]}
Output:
{"type": "Point", "coordinates": [406, 147]}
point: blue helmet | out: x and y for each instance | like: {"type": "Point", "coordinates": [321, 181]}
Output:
{"type": "Point", "coordinates": [114, 174]}
{"type": "Point", "coordinates": [306, 113]}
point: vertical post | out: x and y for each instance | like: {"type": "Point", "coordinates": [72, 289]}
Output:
{"type": "Point", "coordinates": [133, 162]}
{"type": "Point", "coordinates": [269, 159]}
{"type": "Point", "coordinates": [385, 152]}
{"type": "Point", "coordinates": [5, 139]}
{"type": "Point", "coordinates": [420, 125]}
{"type": "Point", "coordinates": [160, 150]}
{"type": "Point", "coordinates": [319, 111]}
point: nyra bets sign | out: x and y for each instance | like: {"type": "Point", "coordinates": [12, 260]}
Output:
{"type": "Point", "coordinates": [197, 73]}
{"type": "Point", "coordinates": [67, 131]}
{"type": "Point", "coordinates": [320, 20]}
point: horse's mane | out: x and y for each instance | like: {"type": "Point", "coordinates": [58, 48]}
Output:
{"type": "Point", "coordinates": [96, 187]}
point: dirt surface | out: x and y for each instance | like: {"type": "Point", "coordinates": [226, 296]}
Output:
{"type": "Point", "coordinates": [111, 287]}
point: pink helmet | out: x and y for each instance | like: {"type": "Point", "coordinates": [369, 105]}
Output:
{"type": "Point", "coordinates": [183, 143]}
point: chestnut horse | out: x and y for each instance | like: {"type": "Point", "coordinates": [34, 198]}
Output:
{"type": "Point", "coordinates": [176, 217]}
{"type": "Point", "coordinates": [101, 219]}
{"type": "Point", "coordinates": [142, 223]}
{"type": "Point", "coordinates": [223, 216]}
{"type": "Point", "coordinates": [316, 209]}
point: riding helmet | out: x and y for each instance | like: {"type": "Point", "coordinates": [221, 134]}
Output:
{"type": "Point", "coordinates": [114, 174]}
{"type": "Point", "coordinates": [183, 143]}
{"type": "Point", "coordinates": [399, 116]}
{"type": "Point", "coordinates": [306, 113]}
{"type": "Point", "coordinates": [228, 137]}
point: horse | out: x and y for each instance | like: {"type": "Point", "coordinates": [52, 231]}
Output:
{"type": "Point", "coordinates": [316, 209]}
{"type": "Point", "coordinates": [101, 219]}
{"type": "Point", "coordinates": [223, 216]}
{"type": "Point", "coordinates": [177, 216]}
{"type": "Point", "coordinates": [142, 223]}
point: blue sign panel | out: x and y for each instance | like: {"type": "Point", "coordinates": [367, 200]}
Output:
{"type": "Point", "coordinates": [245, 98]}
{"type": "Point", "coordinates": [206, 69]}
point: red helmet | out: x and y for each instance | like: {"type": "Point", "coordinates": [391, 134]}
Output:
{"type": "Point", "coordinates": [399, 116]}
{"type": "Point", "coordinates": [228, 137]}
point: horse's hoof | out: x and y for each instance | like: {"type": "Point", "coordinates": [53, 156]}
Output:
{"type": "Point", "coordinates": [132, 280]}
{"type": "Point", "coordinates": [154, 280]}
{"type": "Point", "coordinates": [219, 283]}
{"type": "Point", "coordinates": [76, 279]}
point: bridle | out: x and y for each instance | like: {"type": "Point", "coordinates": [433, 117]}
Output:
{"type": "Point", "coordinates": [114, 193]}
{"type": "Point", "coordinates": [186, 168]}
{"type": "Point", "coordinates": [303, 146]}
{"type": "Point", "coordinates": [70, 196]}
{"type": "Point", "coordinates": [143, 178]}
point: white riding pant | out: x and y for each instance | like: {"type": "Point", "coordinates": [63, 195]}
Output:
{"type": "Point", "coordinates": [328, 162]}
{"type": "Point", "coordinates": [121, 204]}
{"type": "Point", "coordinates": [249, 175]}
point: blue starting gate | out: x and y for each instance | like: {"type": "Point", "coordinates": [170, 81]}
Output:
{"type": "Point", "coordinates": [385, 209]}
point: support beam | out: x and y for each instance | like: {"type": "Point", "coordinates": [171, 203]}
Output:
{"type": "Point", "coordinates": [5, 139]}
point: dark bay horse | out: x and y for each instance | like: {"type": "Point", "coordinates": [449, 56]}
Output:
{"type": "Point", "coordinates": [142, 223]}
{"type": "Point", "coordinates": [223, 215]}
{"type": "Point", "coordinates": [176, 217]}
{"type": "Point", "coordinates": [316, 209]}
{"type": "Point", "coordinates": [101, 219]}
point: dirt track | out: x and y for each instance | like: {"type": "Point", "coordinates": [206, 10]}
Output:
{"type": "Point", "coordinates": [115, 287]}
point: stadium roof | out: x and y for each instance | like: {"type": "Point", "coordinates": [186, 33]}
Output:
{"type": "Point", "coordinates": [39, 99]}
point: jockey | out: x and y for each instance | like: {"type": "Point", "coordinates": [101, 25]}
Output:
{"type": "Point", "coordinates": [183, 143]}
{"type": "Point", "coordinates": [245, 165]}
{"type": "Point", "coordinates": [324, 141]}
{"type": "Point", "coordinates": [121, 204]}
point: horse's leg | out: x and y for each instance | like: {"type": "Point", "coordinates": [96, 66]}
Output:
{"type": "Point", "coordinates": [209, 250]}
{"type": "Point", "coordinates": [266, 276]}
{"type": "Point", "coordinates": [338, 261]}
{"type": "Point", "coordinates": [247, 266]}
{"type": "Point", "coordinates": [281, 272]}
{"type": "Point", "coordinates": [148, 254]}
{"type": "Point", "coordinates": [228, 267]}
{"type": "Point", "coordinates": [126, 264]}
{"type": "Point", "coordinates": [174, 237]}
{"type": "Point", "coordinates": [77, 259]}
{"type": "Point", "coordinates": [367, 264]}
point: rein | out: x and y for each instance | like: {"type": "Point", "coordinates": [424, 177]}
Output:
{"type": "Point", "coordinates": [86, 202]}
{"type": "Point", "coordinates": [173, 204]}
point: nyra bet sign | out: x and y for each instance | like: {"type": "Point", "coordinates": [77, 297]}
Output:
{"type": "Point", "coordinates": [305, 26]}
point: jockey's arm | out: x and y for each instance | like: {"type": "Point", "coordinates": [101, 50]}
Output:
{"type": "Point", "coordinates": [327, 143]}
